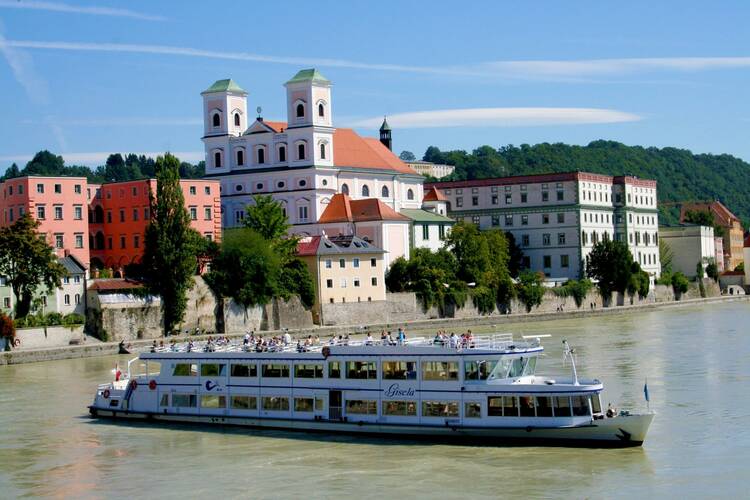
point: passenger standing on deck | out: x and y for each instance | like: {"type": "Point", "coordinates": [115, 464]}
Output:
{"type": "Point", "coordinates": [368, 340]}
{"type": "Point", "coordinates": [287, 338]}
{"type": "Point", "coordinates": [401, 336]}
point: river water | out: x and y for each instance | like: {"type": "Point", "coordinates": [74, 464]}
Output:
{"type": "Point", "coordinates": [696, 359]}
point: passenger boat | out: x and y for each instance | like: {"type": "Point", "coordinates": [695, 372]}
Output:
{"type": "Point", "coordinates": [486, 391]}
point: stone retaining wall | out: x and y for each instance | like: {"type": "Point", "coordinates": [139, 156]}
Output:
{"type": "Point", "coordinates": [54, 336]}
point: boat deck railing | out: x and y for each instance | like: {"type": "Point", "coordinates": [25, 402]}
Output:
{"type": "Point", "coordinates": [497, 341]}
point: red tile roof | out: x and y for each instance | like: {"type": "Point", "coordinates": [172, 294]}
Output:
{"type": "Point", "coordinates": [434, 195]}
{"type": "Point", "coordinates": [114, 284]}
{"type": "Point", "coordinates": [277, 126]}
{"type": "Point", "coordinates": [723, 215]}
{"type": "Point", "coordinates": [344, 209]}
{"type": "Point", "coordinates": [308, 246]}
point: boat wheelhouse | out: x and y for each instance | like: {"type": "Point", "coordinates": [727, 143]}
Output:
{"type": "Point", "coordinates": [487, 390]}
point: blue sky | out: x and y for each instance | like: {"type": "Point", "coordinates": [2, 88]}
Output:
{"type": "Point", "coordinates": [84, 79]}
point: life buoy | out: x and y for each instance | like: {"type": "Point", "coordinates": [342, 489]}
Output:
{"type": "Point", "coordinates": [133, 385]}
{"type": "Point", "coordinates": [152, 384]}
{"type": "Point", "coordinates": [326, 352]}
{"type": "Point", "coordinates": [16, 342]}
{"type": "Point", "coordinates": [105, 394]}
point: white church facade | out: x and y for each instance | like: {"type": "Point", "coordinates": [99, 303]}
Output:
{"type": "Point", "coordinates": [302, 162]}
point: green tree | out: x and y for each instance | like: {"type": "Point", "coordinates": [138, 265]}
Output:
{"type": "Point", "coordinates": [739, 268]}
{"type": "Point", "coordinates": [712, 270]}
{"type": "Point", "coordinates": [530, 289]}
{"type": "Point", "coordinates": [471, 251]}
{"type": "Point", "coordinates": [27, 261]}
{"type": "Point", "coordinates": [704, 218]}
{"type": "Point", "coordinates": [610, 262]}
{"type": "Point", "coordinates": [680, 284]}
{"type": "Point", "coordinates": [170, 256]}
{"type": "Point", "coordinates": [407, 156]}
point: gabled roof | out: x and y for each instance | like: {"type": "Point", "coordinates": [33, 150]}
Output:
{"type": "Point", "coordinates": [71, 265]}
{"type": "Point", "coordinates": [344, 209]}
{"type": "Point", "coordinates": [335, 245]}
{"type": "Point", "coordinates": [114, 284]}
{"type": "Point", "coordinates": [309, 75]}
{"type": "Point", "coordinates": [226, 85]}
{"type": "Point", "coordinates": [434, 195]}
{"type": "Point", "coordinates": [722, 214]}
{"type": "Point", "coordinates": [419, 215]}
{"type": "Point", "coordinates": [260, 125]}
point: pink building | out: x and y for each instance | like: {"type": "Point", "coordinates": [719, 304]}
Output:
{"type": "Point", "coordinates": [719, 251]}
{"type": "Point", "coordinates": [60, 204]}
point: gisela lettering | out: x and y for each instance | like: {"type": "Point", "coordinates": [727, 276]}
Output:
{"type": "Point", "coordinates": [395, 390]}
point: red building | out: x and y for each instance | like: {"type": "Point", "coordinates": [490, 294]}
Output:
{"type": "Point", "coordinates": [103, 225]}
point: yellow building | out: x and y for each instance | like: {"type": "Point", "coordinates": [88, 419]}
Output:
{"type": "Point", "coordinates": [345, 269]}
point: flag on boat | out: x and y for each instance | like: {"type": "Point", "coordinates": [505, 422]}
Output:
{"type": "Point", "coordinates": [645, 391]}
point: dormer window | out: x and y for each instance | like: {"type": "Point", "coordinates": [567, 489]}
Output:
{"type": "Point", "coordinates": [321, 110]}
{"type": "Point", "coordinates": [410, 195]}
{"type": "Point", "coordinates": [300, 110]}
{"type": "Point", "coordinates": [216, 119]}
{"type": "Point", "coordinates": [236, 119]}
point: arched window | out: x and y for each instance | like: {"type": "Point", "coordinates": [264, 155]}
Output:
{"type": "Point", "coordinates": [282, 153]}
{"type": "Point", "coordinates": [217, 120]}
{"type": "Point", "coordinates": [301, 151]}
{"type": "Point", "coordinates": [300, 110]}
{"type": "Point", "coordinates": [261, 155]}
{"type": "Point", "coordinates": [322, 151]}
{"type": "Point", "coordinates": [236, 119]}
{"type": "Point", "coordinates": [240, 157]}
{"type": "Point", "coordinates": [345, 189]}
{"type": "Point", "coordinates": [410, 195]}
{"type": "Point", "coordinates": [365, 191]}
{"type": "Point", "coordinates": [217, 159]}
{"type": "Point", "coordinates": [384, 192]}
{"type": "Point", "coordinates": [321, 110]}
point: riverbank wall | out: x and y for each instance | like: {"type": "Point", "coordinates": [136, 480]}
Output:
{"type": "Point", "coordinates": [90, 349]}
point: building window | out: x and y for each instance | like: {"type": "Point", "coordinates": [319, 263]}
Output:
{"type": "Point", "coordinates": [508, 220]}
{"type": "Point", "coordinates": [40, 212]}
{"type": "Point", "coordinates": [564, 261]}
{"type": "Point", "coordinates": [322, 151]}
{"type": "Point", "coordinates": [321, 110]}
{"type": "Point", "coordinates": [217, 159]}
{"type": "Point", "coordinates": [560, 217]}
{"type": "Point", "coordinates": [236, 119]}
{"type": "Point", "coordinates": [524, 220]}
{"type": "Point", "coordinates": [545, 195]}
{"type": "Point", "coordinates": [193, 213]}
{"type": "Point", "coordinates": [328, 264]}
{"type": "Point", "coordinates": [494, 199]}
{"type": "Point", "coordinates": [525, 240]}
{"type": "Point", "coordinates": [345, 189]}
{"type": "Point", "coordinates": [58, 212]}
{"type": "Point", "coordinates": [356, 282]}
{"type": "Point", "coordinates": [216, 120]}
{"type": "Point", "coordinates": [441, 231]}
{"type": "Point", "coordinates": [365, 191]}
{"type": "Point", "coordinates": [77, 189]}
{"type": "Point", "coordinates": [474, 201]}
{"type": "Point", "coordinates": [261, 155]}
{"type": "Point", "coordinates": [77, 212]}
{"type": "Point", "coordinates": [59, 241]}
{"type": "Point", "coordinates": [207, 190]}
{"type": "Point", "coordinates": [302, 213]}
{"type": "Point", "coordinates": [373, 262]}
{"type": "Point", "coordinates": [374, 281]}
{"type": "Point", "coordinates": [384, 193]}
{"type": "Point", "coordinates": [425, 232]}
{"type": "Point", "coordinates": [459, 202]}
{"type": "Point", "coordinates": [355, 262]}
{"type": "Point", "coordinates": [546, 239]}
{"type": "Point", "coordinates": [524, 196]}
{"type": "Point", "coordinates": [240, 157]}
{"type": "Point", "coordinates": [342, 263]}
{"type": "Point", "coordinates": [547, 261]}
{"type": "Point", "coordinates": [560, 238]}
{"type": "Point", "coordinates": [207, 213]}
{"type": "Point", "coordinates": [122, 215]}
{"type": "Point", "coordinates": [58, 188]}
{"type": "Point", "coordinates": [136, 241]}
{"type": "Point", "coordinates": [282, 153]}
{"type": "Point", "coordinates": [300, 110]}
{"type": "Point", "coordinates": [343, 285]}
{"type": "Point", "coordinates": [79, 240]}
{"type": "Point", "coordinates": [495, 220]}
{"type": "Point", "coordinates": [560, 195]}
{"type": "Point", "coordinates": [123, 244]}
{"type": "Point", "coordinates": [67, 299]}
{"type": "Point", "coordinates": [134, 191]}
{"type": "Point", "coordinates": [409, 194]}
{"type": "Point", "coordinates": [545, 218]}
{"type": "Point", "coordinates": [301, 151]}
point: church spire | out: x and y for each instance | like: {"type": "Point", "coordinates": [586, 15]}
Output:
{"type": "Point", "coordinates": [385, 134]}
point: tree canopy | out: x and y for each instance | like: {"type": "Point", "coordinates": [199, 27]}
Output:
{"type": "Point", "coordinates": [28, 261]}
{"type": "Point", "coordinates": [611, 263]}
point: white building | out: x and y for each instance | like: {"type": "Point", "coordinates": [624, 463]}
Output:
{"type": "Point", "coordinates": [690, 244]}
{"type": "Point", "coordinates": [437, 170]}
{"type": "Point", "coordinates": [70, 297]}
{"type": "Point", "coordinates": [302, 162]}
{"type": "Point", "coordinates": [557, 218]}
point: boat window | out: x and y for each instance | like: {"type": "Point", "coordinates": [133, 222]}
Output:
{"type": "Point", "coordinates": [400, 408]}
{"type": "Point", "coordinates": [309, 370]}
{"type": "Point", "coordinates": [361, 370]}
{"type": "Point", "coordinates": [596, 404]}
{"type": "Point", "coordinates": [473, 410]}
{"type": "Point", "coordinates": [185, 370]}
{"type": "Point", "coordinates": [213, 370]}
{"type": "Point", "coordinates": [114, 402]}
{"type": "Point", "coordinates": [580, 406]}
{"type": "Point", "coordinates": [276, 370]}
{"type": "Point", "coordinates": [562, 406]}
{"type": "Point", "coordinates": [244, 370]}
{"type": "Point", "coordinates": [439, 370]}
{"type": "Point", "coordinates": [495, 406]}
{"type": "Point", "coordinates": [244, 402]}
{"type": "Point", "coordinates": [399, 370]}
{"type": "Point", "coordinates": [334, 369]}
{"type": "Point", "coordinates": [211, 401]}
{"type": "Point", "coordinates": [516, 369]}
{"type": "Point", "coordinates": [543, 406]}
{"type": "Point", "coordinates": [480, 369]}
{"type": "Point", "coordinates": [183, 400]}
{"type": "Point", "coordinates": [501, 368]}
{"type": "Point", "coordinates": [275, 403]}
{"type": "Point", "coordinates": [361, 407]}
{"type": "Point", "coordinates": [319, 404]}
{"type": "Point", "coordinates": [530, 367]}
{"type": "Point", "coordinates": [510, 406]}
{"type": "Point", "coordinates": [303, 404]}
{"type": "Point", "coordinates": [527, 406]}
{"type": "Point", "coordinates": [439, 408]}
{"type": "Point", "coordinates": [164, 400]}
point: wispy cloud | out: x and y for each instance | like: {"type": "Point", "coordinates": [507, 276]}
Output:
{"type": "Point", "coordinates": [500, 117]}
{"type": "Point", "coordinates": [565, 70]}
{"type": "Point", "coordinates": [77, 9]}
{"type": "Point", "coordinates": [99, 158]}
{"type": "Point", "coordinates": [121, 121]}
{"type": "Point", "coordinates": [22, 67]}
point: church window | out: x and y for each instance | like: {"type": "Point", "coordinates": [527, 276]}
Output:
{"type": "Point", "coordinates": [384, 192]}
{"type": "Point", "coordinates": [217, 120]}
{"type": "Point", "coordinates": [345, 189]}
{"type": "Point", "coordinates": [236, 119]}
{"type": "Point", "coordinates": [365, 191]}
{"type": "Point", "coordinates": [301, 151]}
{"type": "Point", "coordinates": [322, 151]}
{"type": "Point", "coordinates": [282, 153]}
{"type": "Point", "coordinates": [300, 110]}
{"type": "Point", "coordinates": [240, 157]}
{"type": "Point", "coordinates": [217, 159]}
{"type": "Point", "coordinates": [261, 155]}
{"type": "Point", "coordinates": [321, 110]}
{"type": "Point", "coordinates": [410, 195]}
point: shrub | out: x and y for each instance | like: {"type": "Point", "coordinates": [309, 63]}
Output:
{"type": "Point", "coordinates": [484, 299]}
{"type": "Point", "coordinates": [680, 284]}
{"type": "Point", "coordinates": [53, 319]}
{"type": "Point", "coordinates": [712, 270]}
{"type": "Point", "coordinates": [73, 319]}
{"type": "Point", "coordinates": [530, 289]}
{"type": "Point", "coordinates": [574, 288]}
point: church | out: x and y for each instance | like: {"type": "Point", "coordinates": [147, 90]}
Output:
{"type": "Point", "coordinates": [321, 174]}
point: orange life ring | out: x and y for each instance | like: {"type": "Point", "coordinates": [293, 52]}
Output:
{"type": "Point", "coordinates": [16, 342]}
{"type": "Point", "coordinates": [152, 385]}
{"type": "Point", "coordinates": [105, 394]}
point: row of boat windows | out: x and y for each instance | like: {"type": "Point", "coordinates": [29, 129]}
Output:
{"type": "Point", "coordinates": [368, 370]}
{"type": "Point", "coordinates": [497, 406]}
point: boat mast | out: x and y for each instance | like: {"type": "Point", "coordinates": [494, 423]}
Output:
{"type": "Point", "coordinates": [569, 353]}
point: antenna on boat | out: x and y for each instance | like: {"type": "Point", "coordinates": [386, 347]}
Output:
{"type": "Point", "coordinates": [570, 353]}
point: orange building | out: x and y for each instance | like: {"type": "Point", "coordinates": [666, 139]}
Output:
{"type": "Point", "coordinates": [102, 225]}
{"type": "Point", "coordinates": [733, 234]}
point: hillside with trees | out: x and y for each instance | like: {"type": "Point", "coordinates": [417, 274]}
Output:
{"type": "Point", "coordinates": [117, 168]}
{"type": "Point", "coordinates": [681, 175]}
